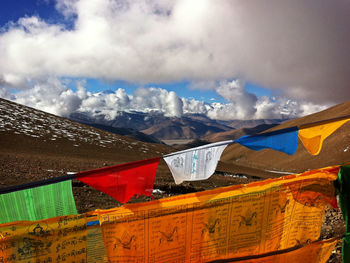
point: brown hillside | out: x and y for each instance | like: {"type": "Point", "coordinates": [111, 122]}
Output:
{"type": "Point", "coordinates": [336, 148]}
{"type": "Point", "coordinates": [35, 145]}
{"type": "Point", "coordinates": [235, 134]}
{"type": "Point", "coordinates": [183, 128]}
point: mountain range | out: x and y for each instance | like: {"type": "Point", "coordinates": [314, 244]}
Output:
{"type": "Point", "coordinates": [156, 126]}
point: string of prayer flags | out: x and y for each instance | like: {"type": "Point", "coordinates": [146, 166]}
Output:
{"type": "Point", "coordinates": [197, 163]}
{"type": "Point", "coordinates": [38, 203]}
{"type": "Point", "coordinates": [123, 181]}
{"type": "Point", "coordinates": [344, 203]}
{"type": "Point", "coordinates": [285, 140]}
{"type": "Point", "coordinates": [312, 136]}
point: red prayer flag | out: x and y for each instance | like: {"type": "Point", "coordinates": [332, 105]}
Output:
{"type": "Point", "coordinates": [123, 181]}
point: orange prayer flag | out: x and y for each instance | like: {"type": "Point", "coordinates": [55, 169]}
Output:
{"type": "Point", "coordinates": [229, 222]}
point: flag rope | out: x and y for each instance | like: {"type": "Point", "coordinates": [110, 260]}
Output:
{"type": "Point", "coordinates": [53, 180]}
{"type": "Point", "coordinates": [72, 176]}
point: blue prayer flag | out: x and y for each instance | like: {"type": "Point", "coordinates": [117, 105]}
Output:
{"type": "Point", "coordinates": [285, 140]}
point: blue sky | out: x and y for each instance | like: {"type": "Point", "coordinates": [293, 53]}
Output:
{"type": "Point", "coordinates": [13, 10]}
{"type": "Point", "coordinates": [183, 89]}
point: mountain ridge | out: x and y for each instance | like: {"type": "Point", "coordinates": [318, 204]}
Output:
{"type": "Point", "coordinates": [156, 125]}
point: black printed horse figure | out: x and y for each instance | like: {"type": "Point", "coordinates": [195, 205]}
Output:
{"type": "Point", "coordinates": [126, 244]}
{"type": "Point", "coordinates": [311, 202]}
{"type": "Point", "coordinates": [30, 246]}
{"type": "Point", "coordinates": [211, 227]}
{"type": "Point", "coordinates": [248, 221]}
{"type": "Point", "coordinates": [282, 209]}
{"type": "Point", "coordinates": [168, 237]}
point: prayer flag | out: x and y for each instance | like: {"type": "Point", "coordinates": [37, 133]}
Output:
{"type": "Point", "coordinates": [38, 203]}
{"type": "Point", "coordinates": [197, 163]}
{"type": "Point", "coordinates": [58, 239]}
{"type": "Point", "coordinates": [285, 140]}
{"type": "Point", "coordinates": [313, 136]}
{"type": "Point", "coordinates": [286, 213]}
{"type": "Point", "coordinates": [123, 181]}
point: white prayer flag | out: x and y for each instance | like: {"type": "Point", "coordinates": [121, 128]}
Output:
{"type": "Point", "coordinates": [197, 163]}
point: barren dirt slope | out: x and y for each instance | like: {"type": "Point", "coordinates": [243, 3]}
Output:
{"type": "Point", "coordinates": [235, 134]}
{"type": "Point", "coordinates": [26, 131]}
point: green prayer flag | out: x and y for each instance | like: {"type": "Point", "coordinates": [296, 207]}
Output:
{"type": "Point", "coordinates": [38, 203]}
{"type": "Point", "coordinates": [344, 202]}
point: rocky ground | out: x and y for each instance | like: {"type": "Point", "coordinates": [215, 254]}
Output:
{"type": "Point", "coordinates": [333, 226]}
{"type": "Point", "coordinates": [19, 168]}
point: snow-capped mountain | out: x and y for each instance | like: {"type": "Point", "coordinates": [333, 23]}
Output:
{"type": "Point", "coordinates": [21, 124]}
{"type": "Point", "coordinates": [189, 126]}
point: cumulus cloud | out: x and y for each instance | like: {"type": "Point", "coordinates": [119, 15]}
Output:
{"type": "Point", "coordinates": [243, 102]}
{"type": "Point", "coordinates": [299, 46]}
{"type": "Point", "coordinates": [156, 99]}
{"type": "Point", "coordinates": [53, 95]}
{"type": "Point", "coordinates": [280, 107]}
{"type": "Point", "coordinates": [50, 95]}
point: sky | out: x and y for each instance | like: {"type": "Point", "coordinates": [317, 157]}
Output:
{"type": "Point", "coordinates": [228, 59]}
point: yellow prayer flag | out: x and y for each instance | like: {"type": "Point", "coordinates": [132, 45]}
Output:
{"type": "Point", "coordinates": [58, 239]}
{"type": "Point", "coordinates": [313, 136]}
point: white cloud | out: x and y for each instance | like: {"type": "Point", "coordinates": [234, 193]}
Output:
{"type": "Point", "coordinates": [194, 106]}
{"type": "Point", "coordinates": [156, 99]}
{"type": "Point", "coordinates": [53, 95]}
{"type": "Point", "coordinates": [243, 102]}
{"type": "Point", "coordinates": [278, 108]}
{"type": "Point", "coordinates": [299, 46]}
{"type": "Point", "coordinates": [5, 93]}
